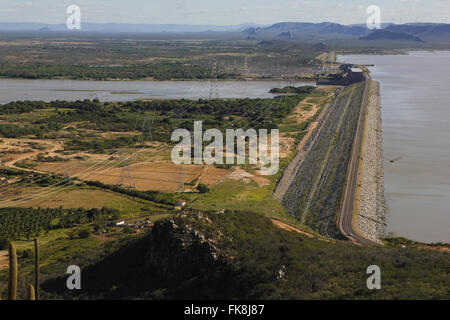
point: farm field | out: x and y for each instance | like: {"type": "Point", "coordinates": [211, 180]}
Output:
{"type": "Point", "coordinates": [165, 177]}
{"type": "Point", "coordinates": [76, 197]}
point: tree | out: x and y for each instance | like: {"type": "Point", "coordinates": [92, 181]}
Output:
{"type": "Point", "coordinates": [203, 188]}
{"type": "Point", "coordinates": [4, 243]}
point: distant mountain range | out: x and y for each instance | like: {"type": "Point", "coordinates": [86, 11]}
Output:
{"type": "Point", "coordinates": [124, 28]}
{"type": "Point", "coordinates": [423, 32]}
{"type": "Point", "coordinates": [298, 29]}
{"type": "Point", "coordinates": [415, 32]}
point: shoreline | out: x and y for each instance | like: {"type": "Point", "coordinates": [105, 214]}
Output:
{"type": "Point", "coordinates": [371, 209]}
{"type": "Point", "coordinates": [167, 80]}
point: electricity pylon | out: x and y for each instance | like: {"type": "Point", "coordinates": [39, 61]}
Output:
{"type": "Point", "coordinates": [67, 167]}
{"type": "Point", "coordinates": [181, 181]}
{"type": "Point", "coordinates": [246, 70]}
{"type": "Point", "coordinates": [147, 126]}
{"type": "Point", "coordinates": [125, 173]}
{"type": "Point", "coordinates": [214, 86]}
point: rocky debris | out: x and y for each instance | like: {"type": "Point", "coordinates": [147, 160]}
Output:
{"type": "Point", "coordinates": [371, 219]}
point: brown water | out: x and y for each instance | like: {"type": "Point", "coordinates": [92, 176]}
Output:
{"type": "Point", "coordinates": [415, 97]}
{"type": "Point", "coordinates": [71, 90]}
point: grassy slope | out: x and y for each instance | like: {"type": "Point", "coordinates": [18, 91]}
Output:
{"type": "Point", "coordinates": [252, 251]}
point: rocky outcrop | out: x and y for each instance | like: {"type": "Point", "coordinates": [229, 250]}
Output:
{"type": "Point", "coordinates": [371, 216]}
{"type": "Point", "coordinates": [180, 251]}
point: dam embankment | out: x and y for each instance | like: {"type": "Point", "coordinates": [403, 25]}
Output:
{"type": "Point", "coordinates": [371, 220]}
{"type": "Point", "coordinates": [312, 186]}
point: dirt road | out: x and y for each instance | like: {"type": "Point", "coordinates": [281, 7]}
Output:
{"type": "Point", "coordinates": [9, 142]}
{"type": "Point", "coordinates": [346, 217]}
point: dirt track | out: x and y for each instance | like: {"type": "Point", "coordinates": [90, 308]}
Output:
{"type": "Point", "coordinates": [287, 227]}
{"type": "Point", "coordinates": [8, 143]}
{"type": "Point", "coordinates": [346, 218]}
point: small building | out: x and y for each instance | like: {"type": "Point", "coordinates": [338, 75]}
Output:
{"type": "Point", "coordinates": [180, 204]}
{"type": "Point", "coordinates": [355, 75]}
{"type": "Point", "coordinates": [356, 70]}
{"type": "Point", "coordinates": [120, 223]}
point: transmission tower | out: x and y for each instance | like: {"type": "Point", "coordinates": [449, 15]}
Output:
{"type": "Point", "coordinates": [267, 121]}
{"type": "Point", "coordinates": [214, 86]}
{"type": "Point", "coordinates": [181, 182]}
{"type": "Point", "coordinates": [246, 69]}
{"type": "Point", "coordinates": [67, 167]}
{"type": "Point", "coordinates": [147, 126]}
{"type": "Point", "coordinates": [292, 81]}
{"type": "Point", "coordinates": [125, 173]}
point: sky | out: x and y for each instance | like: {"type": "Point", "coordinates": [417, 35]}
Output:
{"type": "Point", "coordinates": [224, 12]}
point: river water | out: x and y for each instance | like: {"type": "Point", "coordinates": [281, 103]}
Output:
{"type": "Point", "coordinates": [415, 98]}
{"type": "Point", "coordinates": [71, 90]}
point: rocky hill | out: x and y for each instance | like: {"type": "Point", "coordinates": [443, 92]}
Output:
{"type": "Point", "coordinates": [240, 255]}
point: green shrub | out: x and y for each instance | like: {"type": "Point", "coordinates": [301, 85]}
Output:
{"type": "Point", "coordinates": [84, 233]}
{"type": "Point", "coordinates": [4, 243]}
{"type": "Point", "coordinates": [202, 188]}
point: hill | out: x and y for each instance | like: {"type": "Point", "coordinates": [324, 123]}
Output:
{"type": "Point", "coordinates": [307, 30]}
{"type": "Point", "coordinates": [240, 255]}
{"type": "Point", "coordinates": [391, 35]}
{"type": "Point", "coordinates": [425, 31]}
{"type": "Point", "coordinates": [430, 33]}
{"type": "Point", "coordinates": [124, 27]}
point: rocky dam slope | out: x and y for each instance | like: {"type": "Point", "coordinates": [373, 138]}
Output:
{"type": "Point", "coordinates": [311, 188]}
{"type": "Point", "coordinates": [371, 220]}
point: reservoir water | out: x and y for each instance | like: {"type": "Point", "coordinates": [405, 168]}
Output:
{"type": "Point", "coordinates": [71, 90]}
{"type": "Point", "coordinates": [415, 98]}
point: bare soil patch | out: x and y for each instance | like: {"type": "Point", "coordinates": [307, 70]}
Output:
{"type": "Point", "coordinates": [287, 227]}
{"type": "Point", "coordinates": [165, 177]}
{"type": "Point", "coordinates": [4, 260]}
{"type": "Point", "coordinates": [241, 175]}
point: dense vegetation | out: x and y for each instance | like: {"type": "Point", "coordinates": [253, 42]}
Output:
{"type": "Point", "coordinates": [164, 70]}
{"type": "Point", "coordinates": [15, 131]}
{"type": "Point", "coordinates": [293, 90]}
{"type": "Point", "coordinates": [36, 179]}
{"type": "Point", "coordinates": [26, 223]}
{"type": "Point", "coordinates": [162, 116]}
{"type": "Point", "coordinates": [244, 256]}
{"type": "Point", "coordinates": [141, 56]}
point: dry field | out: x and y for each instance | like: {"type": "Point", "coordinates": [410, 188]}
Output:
{"type": "Point", "coordinates": [4, 259]}
{"type": "Point", "coordinates": [164, 177]}
{"type": "Point", "coordinates": [71, 197]}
